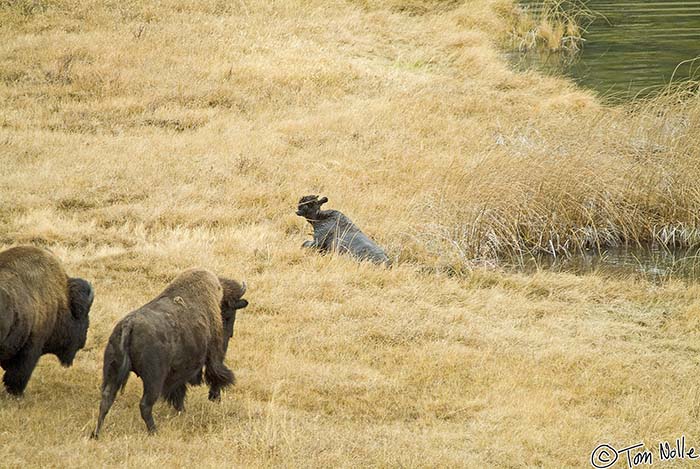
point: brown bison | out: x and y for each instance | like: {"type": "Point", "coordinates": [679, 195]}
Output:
{"type": "Point", "coordinates": [42, 310]}
{"type": "Point", "coordinates": [172, 341]}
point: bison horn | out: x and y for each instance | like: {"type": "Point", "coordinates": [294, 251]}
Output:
{"type": "Point", "coordinates": [91, 297]}
{"type": "Point", "coordinates": [243, 288]}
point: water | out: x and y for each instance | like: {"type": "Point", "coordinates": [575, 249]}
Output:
{"type": "Point", "coordinates": [655, 264]}
{"type": "Point", "coordinates": [631, 47]}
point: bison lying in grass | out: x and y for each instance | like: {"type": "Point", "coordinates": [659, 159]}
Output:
{"type": "Point", "coordinates": [333, 231]}
{"type": "Point", "coordinates": [172, 341]}
{"type": "Point", "coordinates": [42, 310]}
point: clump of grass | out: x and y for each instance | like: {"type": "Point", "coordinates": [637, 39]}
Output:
{"type": "Point", "coordinates": [626, 176]}
{"type": "Point", "coordinates": [550, 26]}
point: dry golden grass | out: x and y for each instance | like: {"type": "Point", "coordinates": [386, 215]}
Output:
{"type": "Point", "coordinates": [550, 26]}
{"type": "Point", "coordinates": [141, 138]}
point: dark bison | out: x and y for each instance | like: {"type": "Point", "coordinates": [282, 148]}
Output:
{"type": "Point", "coordinates": [179, 338]}
{"type": "Point", "coordinates": [333, 231]}
{"type": "Point", "coordinates": [42, 310]}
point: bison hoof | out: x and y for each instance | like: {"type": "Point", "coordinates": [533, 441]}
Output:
{"type": "Point", "coordinates": [94, 435]}
{"type": "Point", "coordinates": [215, 396]}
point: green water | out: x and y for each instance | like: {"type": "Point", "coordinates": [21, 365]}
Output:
{"type": "Point", "coordinates": [651, 263]}
{"type": "Point", "coordinates": [632, 47]}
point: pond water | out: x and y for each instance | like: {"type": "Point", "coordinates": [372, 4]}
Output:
{"type": "Point", "coordinates": [654, 264]}
{"type": "Point", "coordinates": [631, 47]}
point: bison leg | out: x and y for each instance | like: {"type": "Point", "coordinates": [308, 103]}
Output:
{"type": "Point", "coordinates": [218, 377]}
{"type": "Point", "coordinates": [151, 391]}
{"type": "Point", "coordinates": [197, 378]}
{"type": "Point", "coordinates": [176, 397]}
{"type": "Point", "coordinates": [109, 393]}
{"type": "Point", "coordinates": [19, 369]}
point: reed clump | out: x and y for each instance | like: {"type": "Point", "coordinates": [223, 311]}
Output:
{"type": "Point", "coordinates": [550, 26]}
{"type": "Point", "coordinates": [622, 176]}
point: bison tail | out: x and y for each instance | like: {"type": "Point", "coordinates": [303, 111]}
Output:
{"type": "Point", "coordinates": [125, 366]}
{"type": "Point", "coordinates": [218, 375]}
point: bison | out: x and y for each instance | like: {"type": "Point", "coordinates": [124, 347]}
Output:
{"type": "Point", "coordinates": [179, 338]}
{"type": "Point", "coordinates": [42, 310]}
{"type": "Point", "coordinates": [333, 231]}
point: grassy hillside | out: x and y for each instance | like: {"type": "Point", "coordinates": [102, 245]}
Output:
{"type": "Point", "coordinates": [141, 138]}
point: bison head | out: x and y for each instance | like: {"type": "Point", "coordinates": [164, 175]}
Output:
{"type": "Point", "coordinates": [80, 297]}
{"type": "Point", "coordinates": [231, 302]}
{"type": "Point", "coordinates": [309, 206]}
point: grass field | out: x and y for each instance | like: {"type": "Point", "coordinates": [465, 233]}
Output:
{"type": "Point", "coordinates": [141, 138]}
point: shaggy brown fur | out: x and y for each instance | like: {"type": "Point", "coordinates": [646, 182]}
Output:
{"type": "Point", "coordinates": [169, 341]}
{"type": "Point", "coordinates": [42, 311]}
